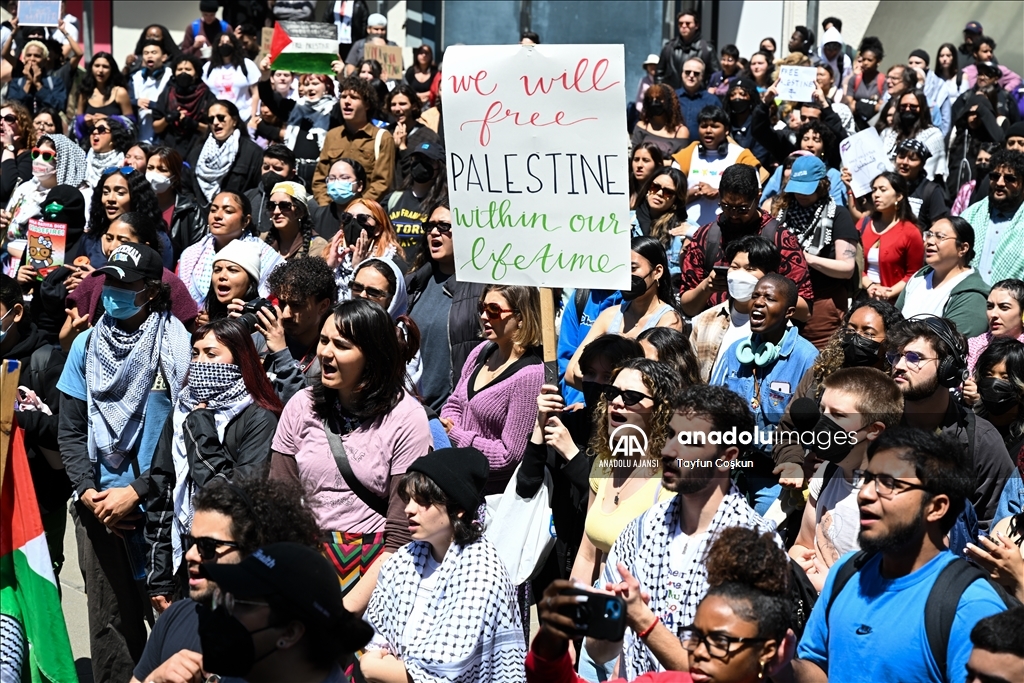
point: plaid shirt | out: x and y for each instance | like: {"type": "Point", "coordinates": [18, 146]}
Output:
{"type": "Point", "coordinates": [708, 331]}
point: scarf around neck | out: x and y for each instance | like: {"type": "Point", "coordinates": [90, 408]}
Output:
{"type": "Point", "coordinates": [121, 368]}
{"type": "Point", "coordinates": [190, 101]}
{"type": "Point", "coordinates": [195, 267]}
{"type": "Point", "coordinates": [811, 225]}
{"type": "Point", "coordinates": [214, 161]}
{"type": "Point", "coordinates": [318, 112]}
{"type": "Point", "coordinates": [96, 163]}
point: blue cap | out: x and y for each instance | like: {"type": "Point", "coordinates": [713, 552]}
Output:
{"type": "Point", "coordinates": [806, 174]}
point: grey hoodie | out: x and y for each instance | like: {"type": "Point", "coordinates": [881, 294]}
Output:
{"type": "Point", "coordinates": [832, 35]}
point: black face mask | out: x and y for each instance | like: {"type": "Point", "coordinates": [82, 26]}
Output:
{"type": "Point", "coordinates": [592, 394]}
{"type": "Point", "coordinates": [997, 395]}
{"type": "Point", "coordinates": [184, 81]}
{"type": "Point", "coordinates": [227, 645]}
{"type": "Point", "coordinates": [226, 50]}
{"type": "Point", "coordinates": [907, 119]}
{"type": "Point", "coordinates": [639, 286]}
{"type": "Point", "coordinates": [982, 169]}
{"type": "Point", "coordinates": [859, 352]}
{"type": "Point", "coordinates": [656, 108]}
{"type": "Point", "coordinates": [269, 179]}
{"type": "Point", "coordinates": [838, 443]}
{"type": "Point", "coordinates": [422, 172]}
{"type": "Point", "coordinates": [739, 106]}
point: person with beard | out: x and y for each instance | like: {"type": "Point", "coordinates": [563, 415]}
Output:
{"type": "Point", "coordinates": [683, 47]}
{"type": "Point", "coordinates": [857, 405]}
{"type": "Point", "coordinates": [179, 113]}
{"type": "Point", "coordinates": [740, 216]}
{"type": "Point", "coordinates": [559, 445]}
{"type": "Point", "coordinates": [861, 342]}
{"type": "Point", "coordinates": [911, 492]}
{"type": "Point", "coordinates": [828, 240]}
{"type": "Point", "coordinates": [425, 181]}
{"type": "Point", "coordinates": [928, 358]}
{"type": "Point", "coordinates": [998, 220]}
{"type": "Point", "coordinates": [231, 520]}
{"type": "Point", "coordinates": [913, 121]}
{"type": "Point", "coordinates": [666, 546]}
{"type": "Point", "coordinates": [927, 198]}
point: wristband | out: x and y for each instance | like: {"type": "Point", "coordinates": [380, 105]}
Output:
{"type": "Point", "coordinates": [647, 631]}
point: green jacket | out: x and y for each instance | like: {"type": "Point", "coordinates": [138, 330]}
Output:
{"type": "Point", "coordinates": [967, 304]}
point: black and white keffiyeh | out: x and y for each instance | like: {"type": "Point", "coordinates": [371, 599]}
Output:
{"type": "Point", "coordinates": [215, 159]}
{"type": "Point", "coordinates": [811, 225]}
{"type": "Point", "coordinates": [120, 369]}
{"type": "Point", "coordinates": [643, 546]}
{"type": "Point", "coordinates": [472, 631]}
{"type": "Point", "coordinates": [96, 163]}
{"type": "Point", "coordinates": [221, 387]}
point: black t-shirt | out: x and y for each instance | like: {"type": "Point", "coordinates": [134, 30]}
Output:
{"type": "Point", "coordinates": [407, 215]}
{"type": "Point", "coordinates": [177, 629]}
{"type": "Point", "coordinates": [928, 202]}
{"type": "Point", "coordinates": [842, 229]}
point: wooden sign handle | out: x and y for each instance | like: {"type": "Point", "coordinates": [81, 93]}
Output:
{"type": "Point", "coordinates": [548, 336]}
{"type": "Point", "coordinates": [9, 374]}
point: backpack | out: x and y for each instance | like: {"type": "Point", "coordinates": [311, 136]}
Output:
{"type": "Point", "coordinates": [713, 242]}
{"type": "Point", "coordinates": [580, 299]}
{"type": "Point", "coordinates": [879, 83]}
{"type": "Point", "coordinates": [939, 609]}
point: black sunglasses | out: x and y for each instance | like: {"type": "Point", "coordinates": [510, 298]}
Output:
{"type": "Point", "coordinates": [102, 130]}
{"type": "Point", "coordinates": [372, 292]}
{"type": "Point", "coordinates": [285, 207]}
{"type": "Point", "coordinates": [442, 228]}
{"type": "Point", "coordinates": [629, 397]}
{"type": "Point", "coordinates": [994, 177]}
{"type": "Point", "coordinates": [11, 118]}
{"type": "Point", "coordinates": [207, 546]}
{"type": "Point", "coordinates": [220, 118]}
{"type": "Point", "coordinates": [362, 219]}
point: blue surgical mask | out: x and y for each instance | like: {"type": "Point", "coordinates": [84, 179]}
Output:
{"type": "Point", "coordinates": [119, 303]}
{"type": "Point", "coordinates": [341, 190]}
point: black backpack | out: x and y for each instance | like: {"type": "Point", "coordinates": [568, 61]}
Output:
{"type": "Point", "coordinates": [939, 609]}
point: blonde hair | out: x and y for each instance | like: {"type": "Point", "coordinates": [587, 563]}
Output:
{"type": "Point", "coordinates": [525, 303]}
{"type": "Point", "coordinates": [38, 43]}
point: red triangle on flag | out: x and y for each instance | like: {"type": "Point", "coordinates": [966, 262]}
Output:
{"type": "Point", "coordinates": [279, 42]}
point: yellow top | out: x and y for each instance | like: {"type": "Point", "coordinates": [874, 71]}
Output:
{"type": "Point", "coordinates": [602, 528]}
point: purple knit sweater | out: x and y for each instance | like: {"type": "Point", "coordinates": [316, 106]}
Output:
{"type": "Point", "coordinates": [498, 420]}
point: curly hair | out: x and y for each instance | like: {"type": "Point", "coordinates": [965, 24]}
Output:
{"type": "Point", "coordinates": [662, 381]}
{"type": "Point", "coordinates": [363, 90]}
{"type": "Point", "coordinates": [116, 78]}
{"type": "Point", "coordinates": [722, 408]}
{"type": "Point", "coordinates": [142, 201]}
{"type": "Point", "coordinates": [672, 114]}
{"type": "Point", "coordinates": [830, 148]}
{"type": "Point", "coordinates": [751, 572]}
{"type": "Point", "coordinates": [304, 278]}
{"type": "Point", "coordinates": [417, 486]}
{"type": "Point", "coordinates": [832, 357]}
{"type": "Point", "coordinates": [25, 122]}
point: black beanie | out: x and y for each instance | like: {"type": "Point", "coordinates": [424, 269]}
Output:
{"type": "Point", "coordinates": [460, 472]}
{"type": "Point", "coordinates": [65, 204]}
{"type": "Point", "coordinates": [923, 55]}
{"type": "Point", "coordinates": [208, 5]}
{"type": "Point", "coordinates": [1015, 131]}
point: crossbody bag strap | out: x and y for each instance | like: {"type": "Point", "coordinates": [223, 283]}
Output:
{"type": "Point", "coordinates": [372, 500]}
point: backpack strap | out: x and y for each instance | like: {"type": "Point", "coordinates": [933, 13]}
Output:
{"type": "Point", "coordinates": [393, 200]}
{"type": "Point", "coordinates": [376, 144]}
{"type": "Point", "coordinates": [879, 83]}
{"type": "Point", "coordinates": [940, 609]}
{"type": "Point", "coordinates": [830, 471]}
{"type": "Point", "coordinates": [580, 299]}
{"type": "Point", "coordinates": [843, 576]}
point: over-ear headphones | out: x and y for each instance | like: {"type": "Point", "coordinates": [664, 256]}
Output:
{"type": "Point", "coordinates": [766, 353]}
{"type": "Point", "coordinates": [952, 369]}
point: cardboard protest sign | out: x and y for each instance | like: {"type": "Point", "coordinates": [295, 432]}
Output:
{"type": "Point", "coordinates": [303, 47]}
{"type": "Point", "coordinates": [797, 83]}
{"type": "Point", "coordinates": [46, 242]}
{"type": "Point", "coordinates": [266, 38]}
{"type": "Point", "coordinates": [537, 164]}
{"type": "Point", "coordinates": [390, 57]}
{"type": "Point", "coordinates": [864, 155]}
{"type": "Point", "coordinates": [39, 13]}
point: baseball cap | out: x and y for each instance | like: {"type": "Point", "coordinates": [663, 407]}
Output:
{"type": "Point", "coordinates": [430, 150]}
{"type": "Point", "coordinates": [806, 174]}
{"type": "Point", "coordinates": [376, 20]}
{"type": "Point", "coordinates": [973, 27]}
{"type": "Point", "coordinates": [651, 59]}
{"type": "Point", "coordinates": [131, 263]}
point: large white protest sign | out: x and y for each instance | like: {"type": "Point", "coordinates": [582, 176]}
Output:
{"type": "Point", "coordinates": [864, 155]}
{"type": "Point", "coordinates": [537, 164]}
{"type": "Point", "coordinates": [797, 83]}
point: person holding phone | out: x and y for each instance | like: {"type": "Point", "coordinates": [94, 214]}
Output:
{"type": "Point", "coordinates": [444, 607]}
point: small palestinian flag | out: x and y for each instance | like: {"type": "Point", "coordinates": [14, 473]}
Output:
{"type": "Point", "coordinates": [304, 47]}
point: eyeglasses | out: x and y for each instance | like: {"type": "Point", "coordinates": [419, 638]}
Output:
{"type": "Point", "coordinates": [220, 118]}
{"type": "Point", "coordinates": [47, 155]}
{"type": "Point", "coordinates": [124, 170]}
{"type": "Point", "coordinates": [371, 292]}
{"type": "Point", "coordinates": [337, 179]}
{"type": "Point", "coordinates": [885, 486]}
{"type": "Point", "coordinates": [718, 645]}
{"type": "Point", "coordinates": [736, 208]}
{"type": "Point", "coordinates": [102, 130]}
{"type": "Point", "coordinates": [492, 311]}
{"type": "Point", "coordinates": [994, 177]}
{"type": "Point", "coordinates": [10, 118]}
{"type": "Point", "coordinates": [629, 396]}
{"type": "Point", "coordinates": [283, 207]}
{"type": "Point", "coordinates": [698, 74]}
{"type": "Point", "coordinates": [207, 547]}
{"type": "Point", "coordinates": [665, 192]}
{"type": "Point", "coordinates": [362, 219]}
{"type": "Point", "coordinates": [937, 236]}
{"type": "Point", "coordinates": [442, 228]}
{"type": "Point", "coordinates": [914, 359]}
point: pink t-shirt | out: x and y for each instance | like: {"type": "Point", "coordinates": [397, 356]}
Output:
{"type": "Point", "coordinates": [378, 451]}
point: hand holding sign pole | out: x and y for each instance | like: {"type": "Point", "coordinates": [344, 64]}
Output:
{"type": "Point", "coordinates": [537, 170]}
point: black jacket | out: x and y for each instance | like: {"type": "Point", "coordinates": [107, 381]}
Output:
{"type": "Point", "coordinates": [243, 175]}
{"type": "Point", "coordinates": [245, 451]}
{"type": "Point", "coordinates": [780, 144]}
{"type": "Point", "coordinates": [14, 171]}
{"type": "Point", "coordinates": [674, 55]}
{"type": "Point", "coordinates": [188, 223]}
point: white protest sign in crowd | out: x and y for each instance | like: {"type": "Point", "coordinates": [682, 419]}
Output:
{"type": "Point", "coordinates": [864, 155]}
{"type": "Point", "coordinates": [537, 164]}
{"type": "Point", "coordinates": [797, 83]}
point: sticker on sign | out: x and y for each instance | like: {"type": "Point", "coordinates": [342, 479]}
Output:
{"type": "Point", "coordinates": [537, 164]}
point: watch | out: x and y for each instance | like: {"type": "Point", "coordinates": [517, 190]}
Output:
{"type": "Point", "coordinates": [9, 148]}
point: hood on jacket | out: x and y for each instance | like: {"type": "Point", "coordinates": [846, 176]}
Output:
{"type": "Point", "coordinates": [832, 35]}
{"type": "Point", "coordinates": [400, 301]}
{"type": "Point", "coordinates": [31, 338]}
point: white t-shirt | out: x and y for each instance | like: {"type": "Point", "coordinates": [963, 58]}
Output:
{"type": "Point", "coordinates": [682, 553]}
{"type": "Point", "coordinates": [232, 84]}
{"type": "Point", "coordinates": [872, 258]}
{"type": "Point", "coordinates": [836, 516]}
{"type": "Point", "coordinates": [707, 168]}
{"type": "Point", "coordinates": [739, 328]}
{"type": "Point", "coordinates": [923, 298]}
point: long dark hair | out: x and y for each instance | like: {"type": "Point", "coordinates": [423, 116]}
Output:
{"type": "Point", "coordinates": [142, 201]}
{"type": "Point", "coordinates": [237, 55]}
{"type": "Point", "coordinates": [172, 159]}
{"type": "Point", "coordinates": [380, 388]}
{"type": "Point", "coordinates": [1011, 352]}
{"type": "Point", "coordinates": [954, 67]}
{"type": "Point", "coordinates": [657, 156]}
{"type": "Point", "coordinates": [215, 310]}
{"type": "Point", "coordinates": [415, 107]}
{"type": "Point", "coordinates": [662, 226]}
{"type": "Point", "coordinates": [674, 348]}
{"type": "Point", "coordinates": [924, 116]}
{"type": "Point", "coordinates": [234, 335]}
{"type": "Point", "coordinates": [653, 250]}
{"type": "Point", "coordinates": [232, 112]}
{"type": "Point", "coordinates": [903, 210]}
{"type": "Point", "coordinates": [89, 83]}
{"type": "Point", "coordinates": [305, 228]}
{"type": "Point", "coordinates": [167, 43]}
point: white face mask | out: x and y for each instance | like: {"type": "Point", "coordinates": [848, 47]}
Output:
{"type": "Point", "coordinates": [160, 183]}
{"type": "Point", "coordinates": [43, 169]}
{"type": "Point", "coordinates": [741, 285]}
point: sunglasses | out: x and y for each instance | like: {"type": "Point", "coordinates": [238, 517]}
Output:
{"type": "Point", "coordinates": [909, 107]}
{"type": "Point", "coordinates": [629, 397]}
{"type": "Point", "coordinates": [47, 155]}
{"type": "Point", "coordinates": [693, 73]}
{"type": "Point", "coordinates": [124, 170]}
{"type": "Point", "coordinates": [736, 208]}
{"type": "Point", "coordinates": [362, 219]}
{"type": "Point", "coordinates": [914, 359]}
{"type": "Point", "coordinates": [492, 311]}
{"type": "Point", "coordinates": [10, 118]}
{"type": "Point", "coordinates": [220, 118]}
{"type": "Point", "coordinates": [102, 130]}
{"type": "Point", "coordinates": [371, 292]}
{"type": "Point", "coordinates": [283, 207]}
{"type": "Point", "coordinates": [994, 177]}
{"type": "Point", "coordinates": [663, 191]}
{"type": "Point", "coordinates": [442, 228]}
{"type": "Point", "coordinates": [207, 547]}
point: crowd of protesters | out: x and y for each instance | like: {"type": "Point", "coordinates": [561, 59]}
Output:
{"type": "Point", "coordinates": [250, 370]}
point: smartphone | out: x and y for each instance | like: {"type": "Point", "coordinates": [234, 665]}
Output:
{"type": "Point", "coordinates": [721, 273]}
{"type": "Point", "coordinates": [602, 616]}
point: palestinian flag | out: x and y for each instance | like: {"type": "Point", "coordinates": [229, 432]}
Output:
{"type": "Point", "coordinates": [304, 47]}
{"type": "Point", "coordinates": [28, 589]}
